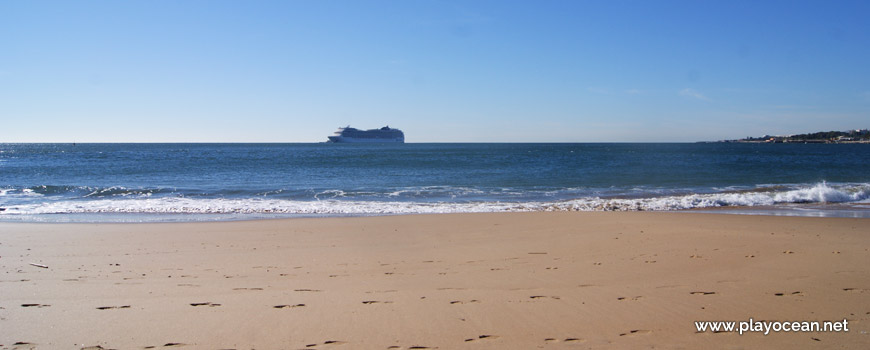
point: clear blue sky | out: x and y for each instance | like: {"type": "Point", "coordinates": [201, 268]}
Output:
{"type": "Point", "coordinates": [443, 71]}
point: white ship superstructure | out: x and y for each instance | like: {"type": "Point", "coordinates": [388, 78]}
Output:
{"type": "Point", "coordinates": [383, 135]}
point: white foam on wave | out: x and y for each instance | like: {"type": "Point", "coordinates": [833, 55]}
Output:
{"type": "Point", "coordinates": [820, 193]}
{"type": "Point", "coordinates": [242, 206]}
{"type": "Point", "coordinates": [430, 191]}
{"type": "Point", "coordinates": [19, 193]}
{"type": "Point", "coordinates": [823, 193]}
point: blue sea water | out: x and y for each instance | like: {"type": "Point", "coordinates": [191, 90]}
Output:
{"type": "Point", "coordinates": [191, 182]}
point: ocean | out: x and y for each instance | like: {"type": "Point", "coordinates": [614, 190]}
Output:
{"type": "Point", "coordinates": [204, 182]}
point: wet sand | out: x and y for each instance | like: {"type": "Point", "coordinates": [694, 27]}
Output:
{"type": "Point", "coordinates": [463, 281]}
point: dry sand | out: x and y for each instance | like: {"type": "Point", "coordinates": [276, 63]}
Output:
{"type": "Point", "coordinates": [467, 281]}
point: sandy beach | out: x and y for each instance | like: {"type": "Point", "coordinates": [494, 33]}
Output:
{"type": "Point", "coordinates": [464, 281]}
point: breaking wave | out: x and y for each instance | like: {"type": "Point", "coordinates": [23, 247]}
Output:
{"type": "Point", "coordinates": [336, 202]}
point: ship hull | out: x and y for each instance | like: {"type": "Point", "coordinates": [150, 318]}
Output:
{"type": "Point", "coordinates": [340, 139]}
{"type": "Point", "coordinates": [353, 135]}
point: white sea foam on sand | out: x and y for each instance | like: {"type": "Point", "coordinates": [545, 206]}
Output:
{"type": "Point", "coordinates": [819, 193]}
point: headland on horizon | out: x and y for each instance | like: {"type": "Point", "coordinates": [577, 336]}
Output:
{"type": "Point", "coordinates": [849, 136]}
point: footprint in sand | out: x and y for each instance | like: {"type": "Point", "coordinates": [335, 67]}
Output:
{"type": "Point", "coordinates": [464, 302]}
{"type": "Point", "coordinates": [783, 294]}
{"type": "Point", "coordinates": [482, 337]}
{"type": "Point", "coordinates": [288, 306]}
{"type": "Point", "coordinates": [209, 304]}
{"type": "Point", "coordinates": [23, 345]}
{"type": "Point", "coordinates": [367, 302]}
{"type": "Point", "coordinates": [167, 345]}
{"type": "Point", "coordinates": [544, 296]}
{"type": "Point", "coordinates": [113, 307]}
{"type": "Point", "coordinates": [35, 305]}
{"type": "Point", "coordinates": [632, 298]}
{"type": "Point", "coordinates": [702, 293]}
{"type": "Point", "coordinates": [566, 340]}
{"type": "Point", "coordinates": [328, 342]}
{"type": "Point", "coordinates": [635, 332]}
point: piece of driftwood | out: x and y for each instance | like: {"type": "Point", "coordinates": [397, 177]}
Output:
{"type": "Point", "coordinates": [39, 265]}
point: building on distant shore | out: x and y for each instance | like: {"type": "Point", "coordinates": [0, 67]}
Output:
{"type": "Point", "coordinates": [850, 136]}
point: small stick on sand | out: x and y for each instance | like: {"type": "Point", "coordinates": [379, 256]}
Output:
{"type": "Point", "coordinates": [39, 265]}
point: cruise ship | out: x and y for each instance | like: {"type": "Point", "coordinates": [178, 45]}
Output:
{"type": "Point", "coordinates": [382, 135]}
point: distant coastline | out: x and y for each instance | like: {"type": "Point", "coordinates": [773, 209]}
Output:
{"type": "Point", "coordinates": [849, 136]}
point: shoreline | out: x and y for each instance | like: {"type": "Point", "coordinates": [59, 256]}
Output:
{"type": "Point", "coordinates": [841, 210]}
{"type": "Point", "coordinates": [547, 280]}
